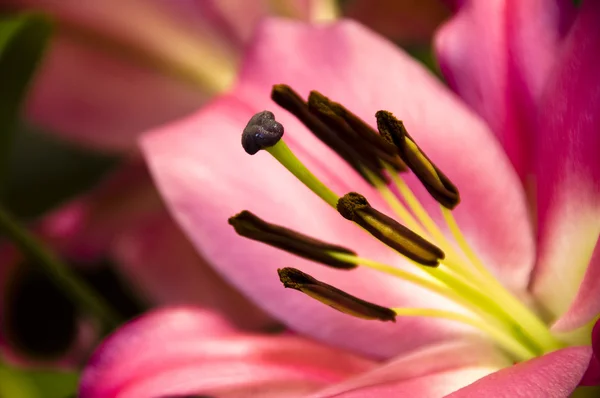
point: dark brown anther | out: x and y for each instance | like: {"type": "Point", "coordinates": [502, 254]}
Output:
{"type": "Point", "coordinates": [334, 297]}
{"type": "Point", "coordinates": [355, 207]}
{"type": "Point", "coordinates": [250, 226]}
{"type": "Point", "coordinates": [436, 182]}
{"type": "Point", "coordinates": [355, 131]}
{"type": "Point", "coordinates": [289, 100]}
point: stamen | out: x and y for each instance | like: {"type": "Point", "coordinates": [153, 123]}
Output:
{"type": "Point", "coordinates": [334, 297]}
{"type": "Point", "coordinates": [355, 207]}
{"type": "Point", "coordinates": [351, 129]}
{"type": "Point", "coordinates": [291, 101]}
{"type": "Point", "coordinates": [250, 226]}
{"type": "Point", "coordinates": [493, 309]}
{"type": "Point", "coordinates": [261, 132]}
{"type": "Point", "coordinates": [436, 182]}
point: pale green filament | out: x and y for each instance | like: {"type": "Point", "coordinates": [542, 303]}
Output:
{"type": "Point", "coordinates": [532, 325]}
{"type": "Point", "coordinates": [507, 342]}
{"type": "Point", "coordinates": [451, 287]}
{"type": "Point", "coordinates": [429, 284]}
{"type": "Point", "coordinates": [286, 157]}
{"type": "Point", "coordinates": [464, 246]}
{"type": "Point", "coordinates": [434, 233]}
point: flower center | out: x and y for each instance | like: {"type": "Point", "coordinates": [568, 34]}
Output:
{"type": "Point", "coordinates": [451, 268]}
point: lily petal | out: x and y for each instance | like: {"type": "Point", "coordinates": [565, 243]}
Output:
{"type": "Point", "coordinates": [554, 375]}
{"type": "Point", "coordinates": [87, 227]}
{"type": "Point", "coordinates": [117, 68]}
{"type": "Point", "coordinates": [180, 351]}
{"type": "Point", "coordinates": [236, 19]}
{"type": "Point", "coordinates": [566, 277]}
{"type": "Point", "coordinates": [206, 177]}
{"type": "Point", "coordinates": [497, 56]}
{"type": "Point", "coordinates": [432, 371]}
{"type": "Point", "coordinates": [166, 269]}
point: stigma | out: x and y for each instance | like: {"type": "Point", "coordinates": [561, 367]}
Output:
{"type": "Point", "coordinates": [382, 157]}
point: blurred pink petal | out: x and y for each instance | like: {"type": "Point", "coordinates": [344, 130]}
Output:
{"type": "Point", "coordinates": [568, 179]}
{"type": "Point", "coordinates": [187, 351]}
{"type": "Point", "coordinates": [206, 177]}
{"type": "Point", "coordinates": [90, 97]}
{"type": "Point", "coordinates": [236, 19]}
{"type": "Point", "coordinates": [433, 371]}
{"type": "Point", "coordinates": [90, 224]}
{"type": "Point", "coordinates": [497, 56]}
{"type": "Point", "coordinates": [554, 375]}
{"type": "Point", "coordinates": [117, 68]}
{"type": "Point", "coordinates": [406, 21]}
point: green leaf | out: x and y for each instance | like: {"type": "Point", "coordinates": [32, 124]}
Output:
{"type": "Point", "coordinates": [21, 383]}
{"type": "Point", "coordinates": [23, 39]}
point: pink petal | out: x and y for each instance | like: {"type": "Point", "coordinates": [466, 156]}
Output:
{"type": "Point", "coordinates": [206, 177]}
{"type": "Point", "coordinates": [100, 101]}
{"type": "Point", "coordinates": [87, 227]}
{"type": "Point", "coordinates": [433, 371]}
{"type": "Point", "coordinates": [567, 275]}
{"type": "Point", "coordinates": [181, 351]}
{"type": "Point", "coordinates": [555, 375]}
{"type": "Point", "coordinates": [236, 19]}
{"type": "Point", "coordinates": [106, 77]}
{"type": "Point", "coordinates": [497, 56]}
{"type": "Point", "coordinates": [166, 269]}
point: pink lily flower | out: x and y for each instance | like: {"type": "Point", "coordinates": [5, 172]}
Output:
{"type": "Point", "coordinates": [439, 344]}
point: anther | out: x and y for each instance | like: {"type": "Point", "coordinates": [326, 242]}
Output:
{"type": "Point", "coordinates": [362, 137]}
{"type": "Point", "coordinates": [436, 182]}
{"type": "Point", "coordinates": [261, 132]}
{"type": "Point", "coordinates": [250, 226]}
{"type": "Point", "coordinates": [291, 101]}
{"type": "Point", "coordinates": [355, 207]}
{"type": "Point", "coordinates": [334, 297]}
